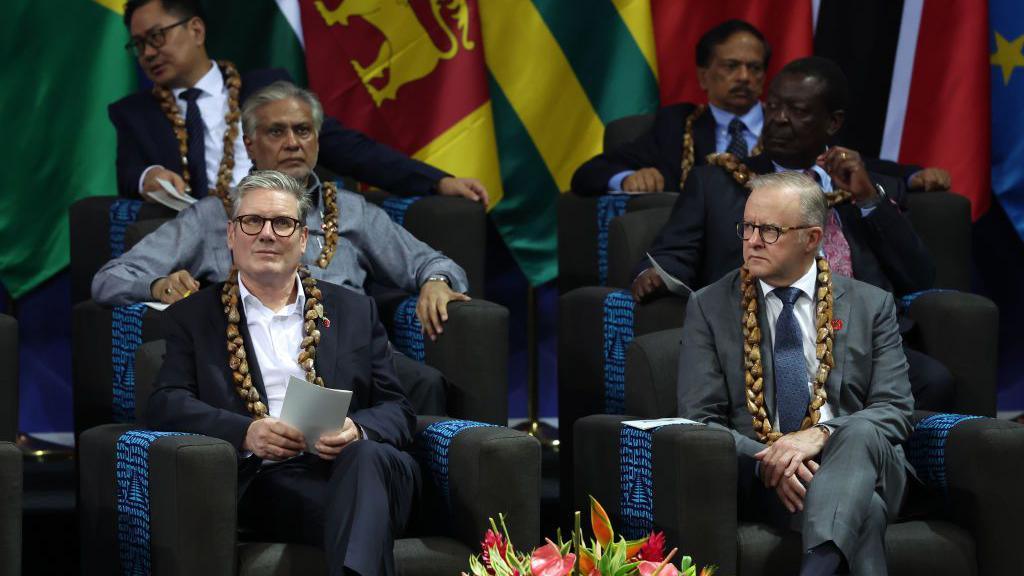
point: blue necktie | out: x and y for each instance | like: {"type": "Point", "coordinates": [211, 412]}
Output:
{"type": "Point", "coordinates": [737, 143]}
{"type": "Point", "coordinates": [196, 143]}
{"type": "Point", "coordinates": [791, 395]}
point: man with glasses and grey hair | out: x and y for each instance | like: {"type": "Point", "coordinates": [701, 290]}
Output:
{"type": "Point", "coordinates": [352, 495]}
{"type": "Point", "coordinates": [185, 130]}
{"type": "Point", "coordinates": [818, 412]}
{"type": "Point", "coordinates": [351, 242]}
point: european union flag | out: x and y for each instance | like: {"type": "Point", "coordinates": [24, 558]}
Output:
{"type": "Point", "coordinates": [1006, 20]}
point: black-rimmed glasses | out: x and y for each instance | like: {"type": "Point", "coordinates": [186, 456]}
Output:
{"type": "Point", "coordinates": [155, 38]}
{"type": "Point", "coordinates": [283, 226]}
{"type": "Point", "coordinates": [770, 233]}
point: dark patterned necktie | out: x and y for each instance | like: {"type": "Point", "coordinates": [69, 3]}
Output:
{"type": "Point", "coordinates": [837, 249]}
{"type": "Point", "coordinates": [196, 143]}
{"type": "Point", "coordinates": [737, 143]}
{"type": "Point", "coordinates": [791, 394]}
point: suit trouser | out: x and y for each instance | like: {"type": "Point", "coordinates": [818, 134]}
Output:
{"type": "Point", "coordinates": [859, 487]}
{"type": "Point", "coordinates": [353, 507]}
{"type": "Point", "coordinates": [424, 386]}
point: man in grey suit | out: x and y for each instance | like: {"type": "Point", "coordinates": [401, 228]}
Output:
{"type": "Point", "coordinates": [807, 371]}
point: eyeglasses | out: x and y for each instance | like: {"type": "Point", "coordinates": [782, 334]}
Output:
{"type": "Point", "coordinates": [283, 226]}
{"type": "Point", "coordinates": [770, 233]}
{"type": "Point", "coordinates": [155, 38]}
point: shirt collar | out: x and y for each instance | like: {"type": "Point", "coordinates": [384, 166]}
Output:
{"type": "Point", "coordinates": [211, 83]}
{"type": "Point", "coordinates": [248, 299]}
{"type": "Point", "coordinates": [805, 283]}
{"type": "Point", "coordinates": [753, 119]}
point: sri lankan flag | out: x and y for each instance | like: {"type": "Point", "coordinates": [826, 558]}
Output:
{"type": "Point", "coordinates": [513, 92]}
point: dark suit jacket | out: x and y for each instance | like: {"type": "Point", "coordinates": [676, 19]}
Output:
{"type": "Point", "coordinates": [194, 391]}
{"type": "Point", "coordinates": [698, 244]}
{"type": "Point", "coordinates": [661, 148]}
{"type": "Point", "coordinates": [145, 138]}
{"type": "Point", "coordinates": [868, 381]}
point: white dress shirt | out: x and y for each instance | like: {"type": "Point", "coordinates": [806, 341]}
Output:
{"type": "Point", "coordinates": [276, 338]}
{"type": "Point", "coordinates": [803, 309]}
{"type": "Point", "coordinates": [213, 105]}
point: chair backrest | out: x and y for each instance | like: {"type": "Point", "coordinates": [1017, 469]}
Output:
{"type": "Point", "coordinates": [626, 129]}
{"type": "Point", "coordinates": [943, 221]}
{"type": "Point", "coordinates": [140, 229]}
{"type": "Point", "coordinates": [8, 378]}
{"type": "Point", "coordinates": [629, 239]}
{"type": "Point", "coordinates": [652, 364]}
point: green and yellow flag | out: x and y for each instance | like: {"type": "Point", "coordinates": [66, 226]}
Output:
{"type": "Point", "coordinates": [64, 61]}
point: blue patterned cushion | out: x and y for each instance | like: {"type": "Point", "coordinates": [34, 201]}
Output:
{"type": "Point", "coordinates": [408, 332]}
{"type": "Point", "coordinates": [125, 338]}
{"type": "Point", "coordinates": [926, 449]}
{"type": "Point", "coordinates": [905, 301]}
{"type": "Point", "coordinates": [618, 333]}
{"type": "Point", "coordinates": [396, 207]}
{"type": "Point", "coordinates": [133, 499]}
{"type": "Point", "coordinates": [609, 207]}
{"type": "Point", "coordinates": [636, 482]}
{"type": "Point", "coordinates": [436, 441]}
{"type": "Point", "coordinates": [122, 213]}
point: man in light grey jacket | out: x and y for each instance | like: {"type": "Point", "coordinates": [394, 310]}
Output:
{"type": "Point", "coordinates": [281, 124]}
{"type": "Point", "coordinates": [807, 371]}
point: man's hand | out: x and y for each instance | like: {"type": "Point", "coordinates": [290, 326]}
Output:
{"type": "Point", "coordinates": [782, 459]}
{"type": "Point", "coordinates": [332, 443]}
{"type": "Point", "coordinates": [432, 306]}
{"type": "Point", "coordinates": [791, 491]}
{"type": "Point", "coordinates": [647, 283]}
{"type": "Point", "coordinates": [847, 171]}
{"type": "Point", "coordinates": [170, 289]}
{"type": "Point", "coordinates": [466, 187]}
{"type": "Point", "coordinates": [272, 439]}
{"type": "Point", "coordinates": [930, 180]}
{"type": "Point", "coordinates": [644, 181]}
{"type": "Point", "coordinates": [150, 185]}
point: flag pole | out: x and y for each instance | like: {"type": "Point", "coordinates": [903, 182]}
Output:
{"type": "Point", "coordinates": [546, 434]}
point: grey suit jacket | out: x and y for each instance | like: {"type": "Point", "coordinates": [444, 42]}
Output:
{"type": "Point", "coordinates": [868, 382]}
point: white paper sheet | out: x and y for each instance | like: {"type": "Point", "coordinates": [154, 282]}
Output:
{"type": "Point", "coordinates": [314, 409]}
{"type": "Point", "coordinates": [654, 423]}
{"type": "Point", "coordinates": [674, 285]}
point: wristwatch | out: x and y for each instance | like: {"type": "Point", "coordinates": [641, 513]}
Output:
{"type": "Point", "coordinates": [439, 278]}
{"type": "Point", "coordinates": [824, 429]}
{"type": "Point", "coordinates": [877, 199]}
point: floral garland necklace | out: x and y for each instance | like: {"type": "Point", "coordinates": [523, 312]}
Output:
{"type": "Point", "coordinates": [689, 154]}
{"type": "Point", "coordinates": [237, 361]}
{"type": "Point", "coordinates": [329, 225]}
{"type": "Point", "coordinates": [743, 175]}
{"type": "Point", "coordinates": [753, 369]}
{"type": "Point", "coordinates": [169, 105]}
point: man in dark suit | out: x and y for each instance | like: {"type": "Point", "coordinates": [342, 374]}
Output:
{"type": "Point", "coordinates": [731, 61]}
{"type": "Point", "coordinates": [867, 237]}
{"type": "Point", "coordinates": [168, 37]}
{"type": "Point", "coordinates": [354, 495]}
{"type": "Point", "coordinates": [806, 370]}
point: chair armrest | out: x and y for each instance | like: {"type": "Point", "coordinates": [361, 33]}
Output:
{"type": "Point", "coordinates": [984, 468]}
{"type": "Point", "coordinates": [10, 509]}
{"type": "Point", "coordinates": [961, 330]}
{"type": "Point", "coordinates": [693, 469]}
{"type": "Point", "coordinates": [482, 461]}
{"type": "Point", "coordinates": [192, 503]}
{"type": "Point", "coordinates": [472, 353]}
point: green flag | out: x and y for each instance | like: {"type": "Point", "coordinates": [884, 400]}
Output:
{"type": "Point", "coordinates": [64, 61]}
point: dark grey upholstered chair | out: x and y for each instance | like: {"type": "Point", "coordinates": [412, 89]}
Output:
{"type": "Point", "coordinates": [8, 378]}
{"type": "Point", "coordinates": [192, 502]}
{"type": "Point", "coordinates": [958, 328]}
{"type": "Point", "coordinates": [472, 354]}
{"type": "Point", "coordinates": [970, 528]}
{"type": "Point", "coordinates": [10, 509]}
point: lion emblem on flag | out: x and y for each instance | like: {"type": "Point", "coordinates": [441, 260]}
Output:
{"type": "Point", "coordinates": [403, 55]}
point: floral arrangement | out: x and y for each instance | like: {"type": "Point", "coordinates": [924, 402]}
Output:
{"type": "Point", "coordinates": [602, 556]}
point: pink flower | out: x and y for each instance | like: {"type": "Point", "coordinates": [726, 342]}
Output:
{"type": "Point", "coordinates": [647, 568]}
{"type": "Point", "coordinates": [495, 540]}
{"type": "Point", "coordinates": [548, 561]}
{"type": "Point", "coordinates": [654, 549]}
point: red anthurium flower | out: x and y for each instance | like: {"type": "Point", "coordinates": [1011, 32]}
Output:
{"type": "Point", "coordinates": [654, 549]}
{"type": "Point", "coordinates": [548, 561]}
{"type": "Point", "coordinates": [600, 523]}
{"type": "Point", "coordinates": [494, 540]}
{"type": "Point", "coordinates": [647, 568]}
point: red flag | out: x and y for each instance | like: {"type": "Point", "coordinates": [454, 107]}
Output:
{"type": "Point", "coordinates": [939, 101]}
{"type": "Point", "coordinates": [678, 24]}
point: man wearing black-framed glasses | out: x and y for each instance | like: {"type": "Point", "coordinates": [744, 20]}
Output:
{"type": "Point", "coordinates": [168, 37]}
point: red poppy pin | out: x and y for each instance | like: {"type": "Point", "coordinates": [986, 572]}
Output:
{"type": "Point", "coordinates": [327, 322]}
{"type": "Point", "coordinates": [837, 324]}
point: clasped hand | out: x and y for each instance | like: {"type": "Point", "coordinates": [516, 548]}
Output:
{"type": "Point", "coordinates": [273, 439]}
{"type": "Point", "coordinates": [787, 465]}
